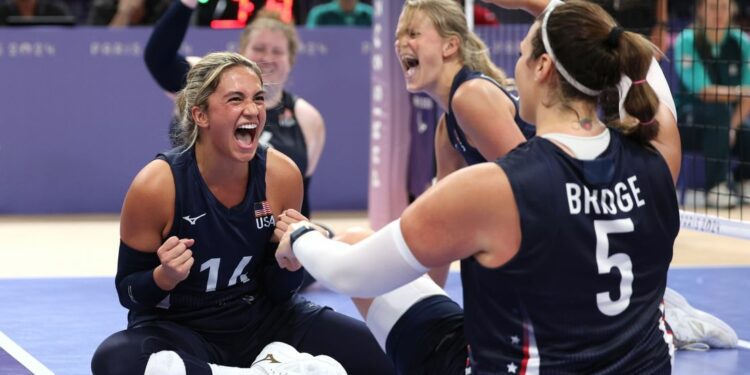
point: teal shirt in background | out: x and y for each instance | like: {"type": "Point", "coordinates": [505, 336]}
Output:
{"type": "Point", "coordinates": [692, 70]}
{"type": "Point", "coordinates": [331, 14]}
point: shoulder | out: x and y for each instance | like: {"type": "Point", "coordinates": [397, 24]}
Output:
{"type": "Point", "coordinates": [149, 206]}
{"type": "Point", "coordinates": [686, 36]}
{"type": "Point", "coordinates": [152, 177]}
{"type": "Point", "coordinates": [307, 115]}
{"type": "Point", "coordinates": [283, 182]}
{"type": "Point", "coordinates": [280, 169]}
{"type": "Point", "coordinates": [303, 108]}
{"type": "Point", "coordinates": [153, 185]}
{"type": "Point", "coordinates": [476, 92]}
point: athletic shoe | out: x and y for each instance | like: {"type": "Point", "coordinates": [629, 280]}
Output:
{"type": "Point", "coordinates": [744, 189]}
{"type": "Point", "coordinates": [721, 196]}
{"type": "Point", "coordinates": [694, 329]}
{"type": "Point", "coordinates": [278, 358]}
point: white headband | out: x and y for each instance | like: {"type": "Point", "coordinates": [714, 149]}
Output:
{"type": "Point", "coordinates": [545, 39]}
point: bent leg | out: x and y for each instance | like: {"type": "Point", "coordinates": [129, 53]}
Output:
{"type": "Point", "coordinates": [129, 351]}
{"type": "Point", "coordinates": [348, 341]}
{"type": "Point", "coordinates": [420, 328]}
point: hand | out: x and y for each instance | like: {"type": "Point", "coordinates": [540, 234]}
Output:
{"type": "Point", "coordinates": [287, 218]}
{"type": "Point", "coordinates": [290, 217]}
{"type": "Point", "coordinates": [284, 254]}
{"type": "Point", "coordinates": [176, 260]}
{"type": "Point", "coordinates": [732, 137]}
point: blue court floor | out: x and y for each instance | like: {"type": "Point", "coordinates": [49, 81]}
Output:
{"type": "Point", "coordinates": [59, 322]}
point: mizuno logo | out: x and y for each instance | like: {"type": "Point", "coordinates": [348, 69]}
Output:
{"type": "Point", "coordinates": [192, 220]}
{"type": "Point", "coordinates": [269, 357]}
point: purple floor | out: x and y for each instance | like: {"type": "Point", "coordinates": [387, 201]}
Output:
{"type": "Point", "coordinates": [60, 322]}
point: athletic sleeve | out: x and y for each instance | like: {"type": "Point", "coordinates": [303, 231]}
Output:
{"type": "Point", "coordinates": [161, 56]}
{"type": "Point", "coordinates": [134, 281]}
{"type": "Point", "coordinates": [371, 267]}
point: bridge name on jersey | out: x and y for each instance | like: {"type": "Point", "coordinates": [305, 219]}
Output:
{"type": "Point", "coordinates": [622, 198]}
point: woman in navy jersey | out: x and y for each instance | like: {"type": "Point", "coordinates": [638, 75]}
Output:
{"type": "Point", "coordinates": [196, 266]}
{"type": "Point", "coordinates": [564, 242]}
{"type": "Point", "coordinates": [442, 58]}
{"type": "Point", "coordinates": [294, 126]}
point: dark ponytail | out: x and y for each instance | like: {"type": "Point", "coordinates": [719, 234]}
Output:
{"type": "Point", "coordinates": [596, 52]}
{"type": "Point", "coordinates": [641, 102]}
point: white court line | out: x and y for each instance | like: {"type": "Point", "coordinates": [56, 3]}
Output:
{"type": "Point", "coordinates": [26, 359]}
{"type": "Point", "coordinates": [743, 344]}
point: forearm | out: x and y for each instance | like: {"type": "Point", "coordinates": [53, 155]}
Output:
{"type": "Point", "coordinates": [721, 94]}
{"type": "Point", "coordinates": [378, 264]}
{"type": "Point", "coordinates": [161, 56]}
{"type": "Point", "coordinates": [135, 281]}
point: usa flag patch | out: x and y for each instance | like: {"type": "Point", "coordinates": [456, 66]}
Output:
{"type": "Point", "coordinates": [262, 209]}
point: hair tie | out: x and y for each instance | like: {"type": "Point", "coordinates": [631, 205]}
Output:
{"type": "Point", "coordinates": [639, 82]}
{"type": "Point", "coordinates": [558, 65]}
{"type": "Point", "coordinates": [613, 39]}
{"type": "Point", "coordinates": [649, 122]}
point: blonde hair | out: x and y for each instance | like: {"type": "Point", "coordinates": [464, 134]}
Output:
{"type": "Point", "coordinates": [267, 19]}
{"type": "Point", "coordinates": [202, 80]}
{"type": "Point", "coordinates": [449, 20]}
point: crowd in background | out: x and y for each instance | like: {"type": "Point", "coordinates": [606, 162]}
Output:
{"type": "Point", "coordinates": [304, 12]}
{"type": "Point", "coordinates": [721, 113]}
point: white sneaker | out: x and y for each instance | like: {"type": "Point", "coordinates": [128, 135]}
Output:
{"type": "Point", "coordinates": [278, 358]}
{"type": "Point", "coordinates": [744, 191]}
{"type": "Point", "coordinates": [694, 329]}
{"type": "Point", "coordinates": [721, 196]}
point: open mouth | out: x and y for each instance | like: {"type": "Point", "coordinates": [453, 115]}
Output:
{"type": "Point", "coordinates": [246, 134]}
{"type": "Point", "coordinates": [266, 67]}
{"type": "Point", "coordinates": [410, 65]}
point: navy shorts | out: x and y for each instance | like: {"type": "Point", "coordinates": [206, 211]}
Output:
{"type": "Point", "coordinates": [429, 339]}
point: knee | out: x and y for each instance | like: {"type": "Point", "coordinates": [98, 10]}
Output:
{"type": "Point", "coordinates": [354, 235]}
{"type": "Point", "coordinates": [118, 354]}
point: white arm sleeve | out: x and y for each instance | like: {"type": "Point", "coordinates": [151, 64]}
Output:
{"type": "Point", "coordinates": [658, 82]}
{"type": "Point", "coordinates": [376, 265]}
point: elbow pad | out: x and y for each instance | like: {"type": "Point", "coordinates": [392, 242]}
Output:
{"type": "Point", "coordinates": [378, 264]}
{"type": "Point", "coordinates": [134, 281]}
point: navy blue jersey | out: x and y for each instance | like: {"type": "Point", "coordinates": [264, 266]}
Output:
{"type": "Point", "coordinates": [456, 134]}
{"type": "Point", "coordinates": [423, 117]}
{"type": "Point", "coordinates": [283, 133]}
{"type": "Point", "coordinates": [583, 293]}
{"type": "Point", "coordinates": [229, 241]}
